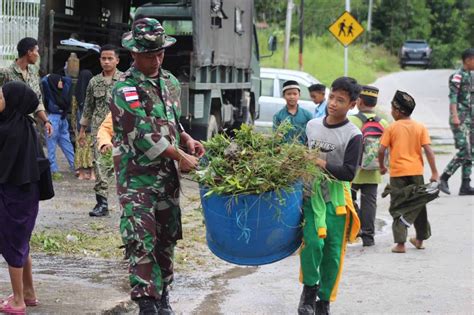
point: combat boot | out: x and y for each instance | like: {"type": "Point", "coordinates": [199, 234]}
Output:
{"type": "Point", "coordinates": [101, 208]}
{"type": "Point", "coordinates": [147, 306]}
{"type": "Point", "coordinates": [164, 307]}
{"type": "Point", "coordinates": [322, 307]}
{"type": "Point", "coordinates": [307, 303]}
{"type": "Point", "coordinates": [443, 183]}
{"type": "Point", "coordinates": [466, 189]}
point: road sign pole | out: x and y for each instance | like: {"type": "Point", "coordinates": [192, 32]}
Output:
{"type": "Point", "coordinates": [346, 57]}
{"type": "Point", "coordinates": [346, 48]}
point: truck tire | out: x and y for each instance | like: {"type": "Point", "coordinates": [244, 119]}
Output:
{"type": "Point", "coordinates": [212, 127]}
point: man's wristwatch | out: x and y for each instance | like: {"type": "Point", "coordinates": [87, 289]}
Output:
{"type": "Point", "coordinates": [47, 122]}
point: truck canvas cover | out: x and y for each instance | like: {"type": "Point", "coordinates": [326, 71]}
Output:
{"type": "Point", "coordinates": [222, 32]}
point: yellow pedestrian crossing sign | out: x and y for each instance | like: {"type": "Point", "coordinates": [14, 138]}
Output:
{"type": "Point", "coordinates": [346, 29]}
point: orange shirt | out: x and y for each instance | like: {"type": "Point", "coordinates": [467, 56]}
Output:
{"type": "Point", "coordinates": [405, 139]}
{"type": "Point", "coordinates": [105, 132]}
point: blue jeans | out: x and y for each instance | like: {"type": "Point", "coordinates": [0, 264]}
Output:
{"type": "Point", "coordinates": [59, 137]}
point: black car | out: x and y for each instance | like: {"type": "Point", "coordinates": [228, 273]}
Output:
{"type": "Point", "coordinates": [415, 53]}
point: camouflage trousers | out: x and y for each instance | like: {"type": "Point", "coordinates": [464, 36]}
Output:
{"type": "Point", "coordinates": [463, 141]}
{"type": "Point", "coordinates": [150, 227]}
{"type": "Point", "coordinates": [101, 186]}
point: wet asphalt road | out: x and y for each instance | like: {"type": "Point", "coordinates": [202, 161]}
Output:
{"type": "Point", "coordinates": [438, 280]}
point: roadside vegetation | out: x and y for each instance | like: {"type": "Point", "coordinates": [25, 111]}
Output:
{"type": "Point", "coordinates": [447, 25]}
{"type": "Point", "coordinates": [323, 58]}
{"type": "Point", "coordinates": [100, 241]}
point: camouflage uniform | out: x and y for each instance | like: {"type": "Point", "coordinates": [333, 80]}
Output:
{"type": "Point", "coordinates": [96, 107]}
{"type": "Point", "coordinates": [460, 93]}
{"type": "Point", "coordinates": [13, 73]}
{"type": "Point", "coordinates": [144, 112]}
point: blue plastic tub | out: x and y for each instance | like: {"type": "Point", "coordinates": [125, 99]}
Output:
{"type": "Point", "coordinates": [253, 229]}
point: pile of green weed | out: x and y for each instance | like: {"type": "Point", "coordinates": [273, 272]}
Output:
{"type": "Point", "coordinates": [254, 163]}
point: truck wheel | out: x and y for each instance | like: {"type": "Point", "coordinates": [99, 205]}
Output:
{"type": "Point", "coordinates": [212, 127]}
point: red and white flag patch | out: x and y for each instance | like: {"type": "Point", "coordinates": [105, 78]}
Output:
{"type": "Point", "coordinates": [131, 96]}
{"type": "Point", "coordinates": [456, 78]}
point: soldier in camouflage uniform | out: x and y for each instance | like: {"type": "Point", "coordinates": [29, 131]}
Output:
{"type": "Point", "coordinates": [145, 112]}
{"type": "Point", "coordinates": [461, 89]}
{"type": "Point", "coordinates": [96, 107]}
{"type": "Point", "coordinates": [23, 69]}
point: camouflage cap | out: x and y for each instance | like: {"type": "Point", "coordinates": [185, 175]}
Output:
{"type": "Point", "coordinates": [146, 35]}
{"type": "Point", "coordinates": [403, 102]}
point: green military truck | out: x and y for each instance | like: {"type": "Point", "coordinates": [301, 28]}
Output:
{"type": "Point", "coordinates": [216, 57]}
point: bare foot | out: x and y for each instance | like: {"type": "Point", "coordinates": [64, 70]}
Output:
{"type": "Point", "coordinates": [31, 299]}
{"type": "Point", "coordinates": [92, 174]}
{"type": "Point", "coordinates": [399, 248]}
{"type": "Point", "coordinates": [417, 243]}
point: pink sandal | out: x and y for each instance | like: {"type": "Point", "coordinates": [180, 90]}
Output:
{"type": "Point", "coordinates": [7, 308]}
{"type": "Point", "coordinates": [28, 302]}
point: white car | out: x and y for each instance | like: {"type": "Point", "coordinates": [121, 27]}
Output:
{"type": "Point", "coordinates": [271, 100]}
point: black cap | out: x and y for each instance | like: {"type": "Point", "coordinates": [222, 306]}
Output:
{"type": "Point", "coordinates": [403, 102]}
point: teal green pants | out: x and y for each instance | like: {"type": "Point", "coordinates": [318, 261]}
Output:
{"type": "Point", "coordinates": [321, 257]}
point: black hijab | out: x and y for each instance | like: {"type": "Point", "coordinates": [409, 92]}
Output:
{"type": "Point", "coordinates": [18, 138]}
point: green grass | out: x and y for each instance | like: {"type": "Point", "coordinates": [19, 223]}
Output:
{"type": "Point", "coordinates": [55, 242]}
{"type": "Point", "coordinates": [102, 242]}
{"type": "Point", "coordinates": [323, 57]}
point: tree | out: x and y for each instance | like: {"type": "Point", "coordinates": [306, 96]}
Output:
{"type": "Point", "coordinates": [446, 24]}
{"type": "Point", "coordinates": [398, 20]}
{"type": "Point", "coordinates": [449, 31]}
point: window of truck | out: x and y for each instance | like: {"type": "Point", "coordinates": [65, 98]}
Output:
{"type": "Point", "coordinates": [178, 27]}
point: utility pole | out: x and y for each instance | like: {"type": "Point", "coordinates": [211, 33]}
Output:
{"type": "Point", "coordinates": [369, 20]}
{"type": "Point", "coordinates": [300, 57]}
{"type": "Point", "coordinates": [289, 10]}
{"type": "Point", "coordinates": [346, 49]}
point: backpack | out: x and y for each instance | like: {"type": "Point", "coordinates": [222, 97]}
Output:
{"type": "Point", "coordinates": [372, 131]}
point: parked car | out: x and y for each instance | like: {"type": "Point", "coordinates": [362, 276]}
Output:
{"type": "Point", "coordinates": [271, 100]}
{"type": "Point", "coordinates": [415, 53]}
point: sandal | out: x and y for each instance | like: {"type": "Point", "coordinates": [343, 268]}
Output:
{"type": "Point", "coordinates": [28, 302]}
{"type": "Point", "coordinates": [7, 308]}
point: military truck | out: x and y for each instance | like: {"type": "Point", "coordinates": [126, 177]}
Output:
{"type": "Point", "coordinates": [216, 57]}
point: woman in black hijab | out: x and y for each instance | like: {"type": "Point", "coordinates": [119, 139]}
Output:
{"type": "Point", "coordinates": [19, 190]}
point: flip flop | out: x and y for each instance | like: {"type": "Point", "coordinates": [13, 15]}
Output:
{"type": "Point", "coordinates": [7, 308]}
{"type": "Point", "coordinates": [32, 302]}
{"type": "Point", "coordinates": [28, 302]}
{"type": "Point", "coordinates": [413, 242]}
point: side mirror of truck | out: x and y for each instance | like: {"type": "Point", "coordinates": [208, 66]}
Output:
{"type": "Point", "coordinates": [272, 43]}
{"type": "Point", "coordinates": [272, 46]}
